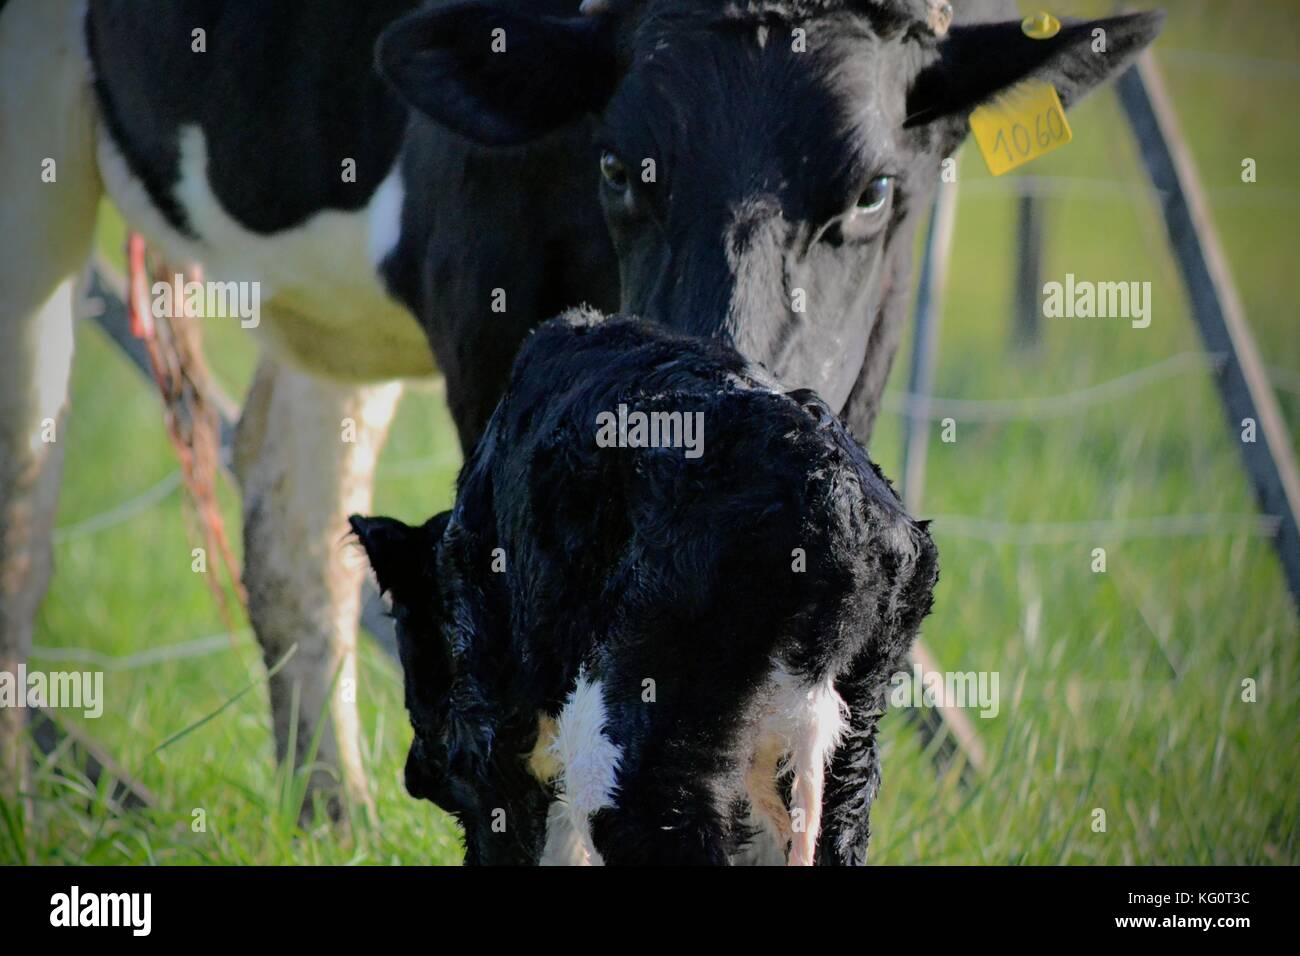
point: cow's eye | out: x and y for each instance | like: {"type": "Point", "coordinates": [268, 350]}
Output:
{"type": "Point", "coordinates": [615, 173]}
{"type": "Point", "coordinates": [876, 195]}
{"type": "Point", "coordinates": [871, 211]}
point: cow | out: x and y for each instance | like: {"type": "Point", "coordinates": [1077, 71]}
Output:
{"type": "Point", "coordinates": [668, 597]}
{"type": "Point", "coordinates": [415, 186]}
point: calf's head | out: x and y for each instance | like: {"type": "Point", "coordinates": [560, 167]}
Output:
{"type": "Point", "coordinates": [758, 159]}
{"type": "Point", "coordinates": [464, 755]}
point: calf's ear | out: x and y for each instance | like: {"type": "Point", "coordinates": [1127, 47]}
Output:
{"type": "Point", "coordinates": [496, 76]}
{"type": "Point", "coordinates": [403, 557]}
{"type": "Point", "coordinates": [980, 61]}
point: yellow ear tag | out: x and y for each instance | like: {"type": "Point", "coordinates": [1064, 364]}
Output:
{"type": "Point", "coordinates": [1020, 125]}
{"type": "Point", "coordinates": [1040, 26]}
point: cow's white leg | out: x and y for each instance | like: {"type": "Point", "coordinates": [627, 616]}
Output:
{"type": "Point", "coordinates": [48, 200]}
{"type": "Point", "coordinates": [306, 454]}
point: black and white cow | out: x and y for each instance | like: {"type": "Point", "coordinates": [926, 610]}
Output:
{"type": "Point", "coordinates": [668, 598]}
{"type": "Point", "coordinates": [792, 143]}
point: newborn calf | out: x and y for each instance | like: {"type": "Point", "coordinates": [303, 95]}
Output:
{"type": "Point", "coordinates": [659, 622]}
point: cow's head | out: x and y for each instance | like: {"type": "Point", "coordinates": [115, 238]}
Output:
{"type": "Point", "coordinates": [758, 158]}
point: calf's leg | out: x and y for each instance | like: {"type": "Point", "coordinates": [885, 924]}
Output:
{"type": "Point", "coordinates": [905, 581]}
{"type": "Point", "coordinates": [47, 217]}
{"type": "Point", "coordinates": [305, 454]}
{"type": "Point", "coordinates": [853, 780]}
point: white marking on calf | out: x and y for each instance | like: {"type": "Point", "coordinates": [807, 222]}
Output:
{"type": "Point", "coordinates": [799, 730]}
{"type": "Point", "coordinates": [564, 847]}
{"type": "Point", "coordinates": [588, 760]}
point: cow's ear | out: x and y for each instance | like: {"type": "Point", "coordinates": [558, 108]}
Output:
{"type": "Point", "coordinates": [497, 76]}
{"type": "Point", "coordinates": [403, 557]}
{"type": "Point", "coordinates": [978, 62]}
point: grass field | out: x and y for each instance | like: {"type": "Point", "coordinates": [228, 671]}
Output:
{"type": "Point", "coordinates": [1121, 691]}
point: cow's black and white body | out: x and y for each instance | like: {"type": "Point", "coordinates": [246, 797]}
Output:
{"type": "Point", "coordinates": [670, 648]}
{"type": "Point", "coordinates": [248, 179]}
{"type": "Point", "coordinates": [491, 202]}
{"type": "Point", "coordinates": [233, 158]}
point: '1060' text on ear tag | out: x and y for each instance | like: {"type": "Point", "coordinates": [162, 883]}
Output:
{"type": "Point", "coordinates": [1020, 125]}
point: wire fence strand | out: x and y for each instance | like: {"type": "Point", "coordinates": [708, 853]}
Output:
{"type": "Point", "coordinates": [120, 513]}
{"type": "Point", "coordinates": [1116, 529]}
{"type": "Point", "coordinates": [199, 647]}
{"type": "Point", "coordinates": [1050, 406]}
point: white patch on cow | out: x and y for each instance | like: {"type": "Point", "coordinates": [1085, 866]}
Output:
{"type": "Point", "coordinates": [331, 314]}
{"type": "Point", "coordinates": [588, 759]}
{"type": "Point", "coordinates": [564, 847]}
{"type": "Point", "coordinates": [45, 228]}
{"type": "Point", "coordinates": [386, 215]}
{"type": "Point", "coordinates": [801, 726]}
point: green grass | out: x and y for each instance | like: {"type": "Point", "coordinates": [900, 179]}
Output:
{"type": "Point", "coordinates": [1120, 691]}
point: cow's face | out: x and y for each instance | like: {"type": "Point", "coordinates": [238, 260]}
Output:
{"type": "Point", "coordinates": [757, 159]}
{"type": "Point", "coordinates": [752, 178]}
{"type": "Point", "coordinates": [465, 753]}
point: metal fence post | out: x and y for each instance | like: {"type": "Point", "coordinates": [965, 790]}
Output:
{"type": "Point", "coordinates": [1027, 318]}
{"type": "Point", "coordinates": [1216, 307]}
{"type": "Point", "coordinates": [916, 440]}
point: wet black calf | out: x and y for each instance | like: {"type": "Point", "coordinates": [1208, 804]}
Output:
{"type": "Point", "coordinates": [658, 623]}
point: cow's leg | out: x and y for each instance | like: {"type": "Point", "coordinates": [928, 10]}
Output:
{"type": "Point", "coordinates": [47, 216]}
{"type": "Point", "coordinates": [306, 454]}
